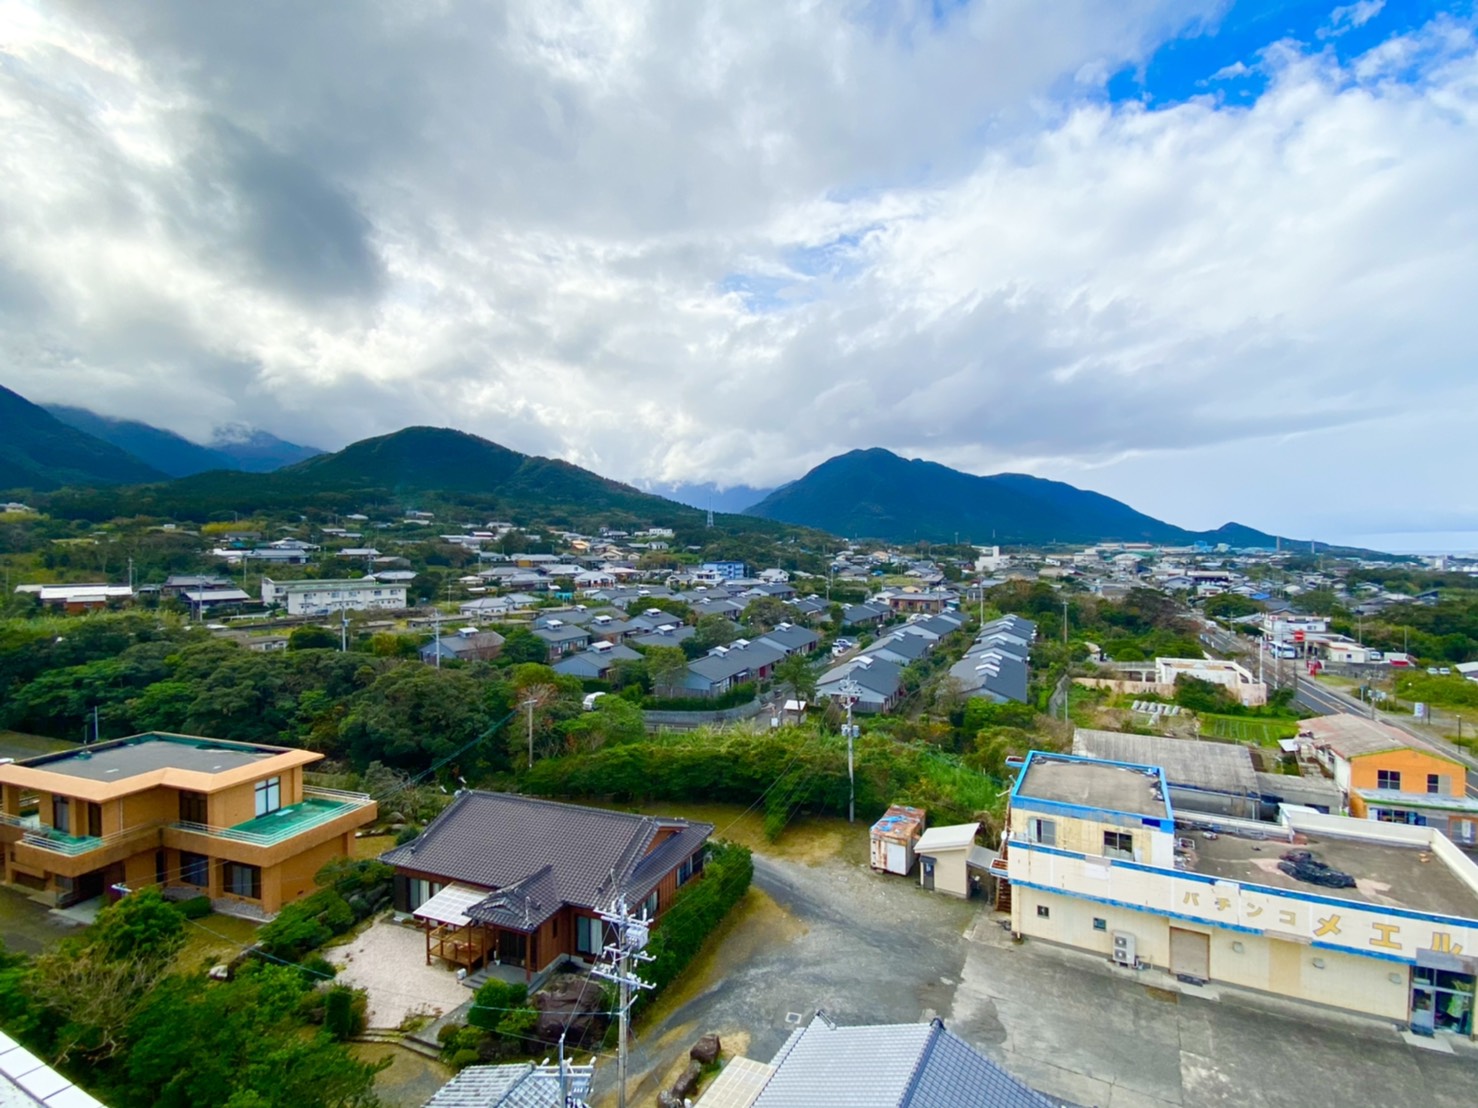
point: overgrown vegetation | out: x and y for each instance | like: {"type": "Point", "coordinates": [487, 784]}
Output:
{"type": "Point", "coordinates": [108, 1008]}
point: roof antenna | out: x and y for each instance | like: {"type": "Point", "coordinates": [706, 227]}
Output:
{"type": "Point", "coordinates": [824, 1018]}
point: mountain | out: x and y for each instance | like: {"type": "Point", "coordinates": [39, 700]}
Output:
{"type": "Point", "coordinates": [416, 467]}
{"type": "Point", "coordinates": [877, 494]}
{"type": "Point", "coordinates": [235, 446]}
{"type": "Point", "coordinates": [734, 498]}
{"type": "Point", "coordinates": [257, 451]}
{"type": "Point", "coordinates": [39, 451]}
{"type": "Point", "coordinates": [166, 451]}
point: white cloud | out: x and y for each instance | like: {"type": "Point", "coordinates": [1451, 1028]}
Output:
{"type": "Point", "coordinates": [1349, 16]}
{"type": "Point", "coordinates": [674, 242]}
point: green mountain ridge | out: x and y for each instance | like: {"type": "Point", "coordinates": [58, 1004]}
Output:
{"type": "Point", "coordinates": [39, 452]}
{"type": "Point", "coordinates": [876, 494]}
{"type": "Point", "coordinates": [176, 456]}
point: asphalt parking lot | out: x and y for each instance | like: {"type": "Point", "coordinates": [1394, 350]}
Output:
{"type": "Point", "coordinates": [872, 948]}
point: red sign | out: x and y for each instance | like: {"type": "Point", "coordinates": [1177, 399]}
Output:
{"type": "Point", "coordinates": [1298, 636]}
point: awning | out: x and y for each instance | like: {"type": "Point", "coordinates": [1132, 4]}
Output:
{"type": "Point", "coordinates": [450, 905]}
{"type": "Point", "coordinates": [980, 858]}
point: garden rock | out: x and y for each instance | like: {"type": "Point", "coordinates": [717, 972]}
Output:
{"type": "Point", "coordinates": [705, 1050]}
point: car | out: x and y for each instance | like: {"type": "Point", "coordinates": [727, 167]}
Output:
{"type": "Point", "coordinates": [1432, 670]}
{"type": "Point", "coordinates": [1444, 671]}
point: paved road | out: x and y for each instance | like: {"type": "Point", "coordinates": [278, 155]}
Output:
{"type": "Point", "coordinates": [871, 948]}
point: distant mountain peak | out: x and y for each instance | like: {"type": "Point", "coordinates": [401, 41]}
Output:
{"type": "Point", "coordinates": [874, 493]}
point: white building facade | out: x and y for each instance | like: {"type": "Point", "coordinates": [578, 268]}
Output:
{"type": "Point", "coordinates": [316, 598]}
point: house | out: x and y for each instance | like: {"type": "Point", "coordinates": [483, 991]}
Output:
{"type": "Point", "coordinates": [203, 600]}
{"type": "Point", "coordinates": [1229, 675]}
{"type": "Point", "coordinates": [28, 1082]}
{"type": "Point", "coordinates": [177, 583]}
{"type": "Point", "coordinates": [1353, 914]}
{"type": "Point", "coordinates": [945, 854]}
{"type": "Point", "coordinates": [467, 645]}
{"type": "Point", "coordinates": [517, 1085]}
{"type": "Point", "coordinates": [320, 597]}
{"type": "Point", "coordinates": [523, 882]}
{"type": "Point", "coordinates": [994, 674]}
{"type": "Point", "coordinates": [485, 607]}
{"type": "Point", "coordinates": [933, 628]}
{"type": "Point", "coordinates": [811, 609]}
{"type": "Point", "coordinates": [908, 601]}
{"type": "Point", "coordinates": [726, 571]}
{"type": "Point", "coordinates": [82, 598]}
{"type": "Point", "coordinates": [792, 639]}
{"type": "Point", "coordinates": [562, 638]}
{"type": "Point", "coordinates": [902, 1065]}
{"type": "Point", "coordinates": [864, 615]}
{"type": "Point", "coordinates": [898, 647]}
{"type": "Point", "coordinates": [877, 685]}
{"type": "Point", "coordinates": [232, 821]}
{"type": "Point", "coordinates": [1385, 777]}
{"type": "Point", "coordinates": [594, 663]}
{"type": "Point", "coordinates": [726, 666]}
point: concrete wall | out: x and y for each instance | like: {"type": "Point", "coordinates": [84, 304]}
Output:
{"type": "Point", "coordinates": [1270, 965]}
{"type": "Point", "coordinates": [1413, 765]}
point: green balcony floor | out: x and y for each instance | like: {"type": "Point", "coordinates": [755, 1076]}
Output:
{"type": "Point", "coordinates": [286, 822]}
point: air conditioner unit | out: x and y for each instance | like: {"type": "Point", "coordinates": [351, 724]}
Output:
{"type": "Point", "coordinates": [1124, 949]}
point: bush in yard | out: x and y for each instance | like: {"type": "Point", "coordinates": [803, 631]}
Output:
{"type": "Point", "coordinates": [197, 907]}
{"type": "Point", "coordinates": [306, 925]}
{"type": "Point", "coordinates": [344, 1011]}
{"type": "Point", "coordinates": [492, 1002]}
{"type": "Point", "coordinates": [698, 908]}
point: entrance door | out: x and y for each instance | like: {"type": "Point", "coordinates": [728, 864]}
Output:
{"type": "Point", "coordinates": [926, 868]}
{"type": "Point", "coordinates": [897, 855]}
{"type": "Point", "coordinates": [1190, 954]}
{"type": "Point", "coordinates": [1441, 1000]}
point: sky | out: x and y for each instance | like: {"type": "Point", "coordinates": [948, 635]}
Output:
{"type": "Point", "coordinates": [1213, 258]}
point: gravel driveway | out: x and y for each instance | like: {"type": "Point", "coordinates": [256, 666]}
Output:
{"type": "Point", "coordinates": [388, 960]}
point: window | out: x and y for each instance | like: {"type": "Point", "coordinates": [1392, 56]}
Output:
{"type": "Point", "coordinates": [192, 808]}
{"type": "Point", "coordinates": [61, 814]}
{"type": "Point", "coordinates": [1044, 831]}
{"type": "Point", "coordinates": [686, 870]}
{"type": "Point", "coordinates": [1100, 924]}
{"type": "Point", "coordinates": [95, 820]}
{"type": "Point", "coordinates": [194, 869]}
{"type": "Point", "coordinates": [1118, 842]}
{"type": "Point", "coordinates": [244, 880]}
{"type": "Point", "coordinates": [418, 891]}
{"type": "Point", "coordinates": [649, 906]}
{"type": "Point", "coordinates": [588, 938]}
{"type": "Point", "coordinates": [1435, 783]}
{"type": "Point", "coordinates": [269, 795]}
{"type": "Point", "coordinates": [1388, 779]}
{"type": "Point", "coordinates": [1043, 912]}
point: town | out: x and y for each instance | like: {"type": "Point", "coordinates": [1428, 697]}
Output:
{"type": "Point", "coordinates": [480, 785]}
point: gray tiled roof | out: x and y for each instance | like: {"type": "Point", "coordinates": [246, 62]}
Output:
{"type": "Point", "coordinates": [889, 1066]}
{"type": "Point", "coordinates": [505, 842]}
{"type": "Point", "coordinates": [518, 1085]}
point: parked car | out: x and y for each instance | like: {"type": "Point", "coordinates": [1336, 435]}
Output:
{"type": "Point", "coordinates": [1432, 670]}
{"type": "Point", "coordinates": [1445, 671]}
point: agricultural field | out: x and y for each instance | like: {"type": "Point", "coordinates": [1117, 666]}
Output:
{"type": "Point", "coordinates": [1261, 732]}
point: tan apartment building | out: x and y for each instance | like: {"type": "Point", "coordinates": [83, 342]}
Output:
{"type": "Point", "coordinates": [1372, 917]}
{"type": "Point", "coordinates": [232, 821]}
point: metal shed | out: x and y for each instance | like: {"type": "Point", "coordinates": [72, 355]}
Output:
{"type": "Point", "coordinates": [894, 837]}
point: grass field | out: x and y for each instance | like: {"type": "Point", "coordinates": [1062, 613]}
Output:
{"type": "Point", "coordinates": [17, 744]}
{"type": "Point", "coordinates": [1262, 732]}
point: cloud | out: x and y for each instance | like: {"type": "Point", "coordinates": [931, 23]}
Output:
{"type": "Point", "coordinates": [675, 243]}
{"type": "Point", "coordinates": [1349, 16]}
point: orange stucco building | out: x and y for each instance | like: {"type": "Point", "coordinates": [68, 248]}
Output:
{"type": "Point", "coordinates": [232, 821]}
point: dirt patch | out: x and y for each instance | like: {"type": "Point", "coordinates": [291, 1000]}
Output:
{"type": "Point", "coordinates": [810, 840]}
{"type": "Point", "coordinates": [1164, 995]}
{"type": "Point", "coordinates": [214, 940]}
{"type": "Point", "coordinates": [409, 1081]}
{"type": "Point", "coordinates": [372, 846]}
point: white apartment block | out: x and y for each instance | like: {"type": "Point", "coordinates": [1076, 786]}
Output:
{"type": "Point", "coordinates": [317, 598]}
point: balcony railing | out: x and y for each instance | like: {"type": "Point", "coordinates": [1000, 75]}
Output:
{"type": "Point", "coordinates": [318, 807]}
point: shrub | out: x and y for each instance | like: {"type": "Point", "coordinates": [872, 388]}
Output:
{"type": "Point", "coordinates": [406, 834]}
{"type": "Point", "coordinates": [699, 907]}
{"type": "Point", "coordinates": [464, 1058]}
{"type": "Point", "coordinates": [344, 1012]}
{"type": "Point", "coordinates": [197, 907]}
{"type": "Point", "coordinates": [492, 1001]}
{"type": "Point", "coordinates": [306, 925]}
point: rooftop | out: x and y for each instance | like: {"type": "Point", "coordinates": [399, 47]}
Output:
{"type": "Point", "coordinates": [1386, 874]}
{"type": "Point", "coordinates": [121, 758]}
{"type": "Point", "coordinates": [1111, 786]}
{"type": "Point", "coordinates": [1220, 767]}
{"type": "Point", "coordinates": [1351, 736]}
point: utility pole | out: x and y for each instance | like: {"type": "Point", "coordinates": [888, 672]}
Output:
{"type": "Point", "coordinates": [630, 946]}
{"type": "Point", "coordinates": [530, 704]}
{"type": "Point", "coordinates": [1064, 621]}
{"type": "Point", "coordinates": [343, 630]}
{"type": "Point", "coordinates": [850, 690]}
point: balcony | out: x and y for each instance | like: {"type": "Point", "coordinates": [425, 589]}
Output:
{"type": "Point", "coordinates": [318, 807]}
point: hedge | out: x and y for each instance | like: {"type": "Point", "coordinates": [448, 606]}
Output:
{"type": "Point", "coordinates": [739, 694]}
{"type": "Point", "coordinates": [699, 907]}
